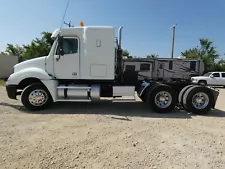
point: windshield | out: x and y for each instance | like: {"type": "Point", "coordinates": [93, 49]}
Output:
{"type": "Point", "coordinates": [207, 74]}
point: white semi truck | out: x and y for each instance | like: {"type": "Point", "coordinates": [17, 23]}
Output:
{"type": "Point", "coordinates": [85, 64]}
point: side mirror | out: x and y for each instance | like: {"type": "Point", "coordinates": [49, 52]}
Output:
{"type": "Point", "coordinates": [211, 76]}
{"type": "Point", "coordinates": [60, 42]}
{"type": "Point", "coordinates": [61, 52]}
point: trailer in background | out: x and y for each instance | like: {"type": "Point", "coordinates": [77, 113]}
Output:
{"type": "Point", "coordinates": [165, 69]}
{"type": "Point", "coordinates": [6, 65]}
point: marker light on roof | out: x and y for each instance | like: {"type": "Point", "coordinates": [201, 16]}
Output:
{"type": "Point", "coordinates": [81, 23]}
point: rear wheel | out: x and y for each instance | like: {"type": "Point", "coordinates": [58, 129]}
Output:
{"type": "Point", "coordinates": [161, 98]}
{"type": "Point", "coordinates": [36, 97]}
{"type": "Point", "coordinates": [198, 100]}
{"type": "Point", "coordinates": [181, 94]}
{"type": "Point", "coordinates": [144, 96]}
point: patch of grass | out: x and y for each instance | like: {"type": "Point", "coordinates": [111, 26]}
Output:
{"type": "Point", "coordinates": [2, 82]}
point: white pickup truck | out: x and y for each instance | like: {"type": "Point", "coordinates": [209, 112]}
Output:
{"type": "Point", "coordinates": [210, 78]}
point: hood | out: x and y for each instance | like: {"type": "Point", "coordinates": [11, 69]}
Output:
{"type": "Point", "coordinates": [200, 77]}
{"type": "Point", "coordinates": [36, 62]}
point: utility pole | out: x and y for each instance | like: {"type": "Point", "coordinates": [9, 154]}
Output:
{"type": "Point", "coordinates": [173, 35]}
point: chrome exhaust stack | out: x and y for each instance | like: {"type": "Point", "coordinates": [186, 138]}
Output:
{"type": "Point", "coordinates": [120, 36]}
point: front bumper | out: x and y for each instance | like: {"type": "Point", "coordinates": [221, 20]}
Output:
{"type": "Point", "coordinates": [11, 91]}
{"type": "Point", "coordinates": [194, 82]}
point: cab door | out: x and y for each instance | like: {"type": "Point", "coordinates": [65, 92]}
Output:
{"type": "Point", "coordinates": [67, 66]}
{"type": "Point", "coordinates": [216, 79]}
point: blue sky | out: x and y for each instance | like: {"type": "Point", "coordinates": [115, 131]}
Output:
{"type": "Point", "coordinates": [146, 22]}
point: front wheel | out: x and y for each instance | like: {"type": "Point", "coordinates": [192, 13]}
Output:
{"type": "Point", "coordinates": [162, 98]}
{"type": "Point", "coordinates": [36, 97]}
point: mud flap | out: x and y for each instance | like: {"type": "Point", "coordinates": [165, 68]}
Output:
{"type": "Point", "coordinates": [215, 94]}
{"type": "Point", "coordinates": [144, 85]}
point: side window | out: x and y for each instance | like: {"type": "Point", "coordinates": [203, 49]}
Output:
{"type": "Point", "coordinates": [144, 67]}
{"type": "Point", "coordinates": [170, 65]}
{"type": "Point", "coordinates": [130, 67]}
{"type": "Point", "coordinates": [161, 65]}
{"type": "Point", "coordinates": [192, 65]}
{"type": "Point", "coordinates": [223, 75]}
{"type": "Point", "coordinates": [216, 74]}
{"type": "Point", "coordinates": [70, 46]}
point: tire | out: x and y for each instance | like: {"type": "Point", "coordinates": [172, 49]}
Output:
{"type": "Point", "coordinates": [30, 91]}
{"type": "Point", "coordinates": [181, 94]}
{"type": "Point", "coordinates": [144, 97]}
{"type": "Point", "coordinates": [205, 95]}
{"type": "Point", "coordinates": [202, 83]}
{"type": "Point", "coordinates": [155, 103]}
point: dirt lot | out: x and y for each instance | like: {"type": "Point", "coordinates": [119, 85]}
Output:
{"type": "Point", "coordinates": [107, 135]}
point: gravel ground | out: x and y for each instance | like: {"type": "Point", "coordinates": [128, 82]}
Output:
{"type": "Point", "coordinates": [109, 135]}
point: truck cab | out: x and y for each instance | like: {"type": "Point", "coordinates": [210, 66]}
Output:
{"type": "Point", "coordinates": [78, 53]}
{"type": "Point", "coordinates": [84, 64]}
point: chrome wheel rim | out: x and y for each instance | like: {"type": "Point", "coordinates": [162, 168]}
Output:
{"type": "Point", "coordinates": [38, 97]}
{"type": "Point", "coordinates": [200, 100]}
{"type": "Point", "coordinates": [163, 99]}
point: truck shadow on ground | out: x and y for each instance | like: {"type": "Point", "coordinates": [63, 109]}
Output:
{"type": "Point", "coordinates": [136, 109]}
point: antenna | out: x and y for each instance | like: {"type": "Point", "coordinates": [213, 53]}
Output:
{"type": "Point", "coordinates": [64, 13]}
{"type": "Point", "coordinates": [69, 24]}
{"type": "Point", "coordinates": [62, 23]}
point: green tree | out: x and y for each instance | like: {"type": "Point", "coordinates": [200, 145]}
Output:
{"type": "Point", "coordinates": [221, 62]}
{"type": "Point", "coordinates": [14, 50]}
{"type": "Point", "coordinates": [3, 53]}
{"type": "Point", "coordinates": [39, 46]}
{"type": "Point", "coordinates": [127, 54]}
{"type": "Point", "coordinates": [220, 66]}
{"type": "Point", "coordinates": [152, 56]}
{"type": "Point", "coordinates": [206, 52]}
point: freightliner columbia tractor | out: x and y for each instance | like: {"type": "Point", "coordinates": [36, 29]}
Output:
{"type": "Point", "coordinates": [85, 64]}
